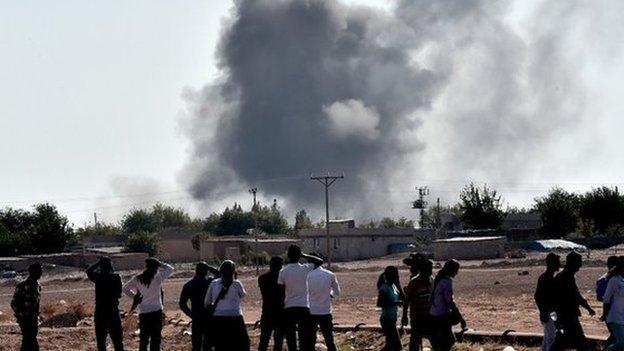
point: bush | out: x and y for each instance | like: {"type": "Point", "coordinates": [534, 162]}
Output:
{"type": "Point", "coordinates": [142, 242]}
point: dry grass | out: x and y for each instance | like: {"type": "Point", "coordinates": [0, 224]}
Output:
{"type": "Point", "coordinates": [49, 309]}
{"type": "Point", "coordinates": [4, 317]}
{"type": "Point", "coordinates": [81, 310]}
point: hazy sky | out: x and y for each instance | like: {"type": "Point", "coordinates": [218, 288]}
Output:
{"type": "Point", "coordinates": [91, 101]}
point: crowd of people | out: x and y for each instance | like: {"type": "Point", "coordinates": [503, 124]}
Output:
{"type": "Point", "coordinates": [297, 302]}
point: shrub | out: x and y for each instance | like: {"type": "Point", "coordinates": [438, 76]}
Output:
{"type": "Point", "coordinates": [142, 242]}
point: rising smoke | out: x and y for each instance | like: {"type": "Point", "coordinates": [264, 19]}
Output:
{"type": "Point", "coordinates": [430, 90]}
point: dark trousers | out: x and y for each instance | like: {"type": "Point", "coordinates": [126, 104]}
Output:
{"type": "Point", "coordinates": [390, 331]}
{"type": "Point", "coordinates": [30, 329]}
{"type": "Point", "coordinates": [573, 336]}
{"type": "Point", "coordinates": [420, 328]}
{"type": "Point", "coordinates": [108, 322]}
{"type": "Point", "coordinates": [202, 335]}
{"type": "Point", "coordinates": [326, 324]}
{"type": "Point", "coordinates": [442, 337]}
{"type": "Point", "coordinates": [298, 322]}
{"type": "Point", "coordinates": [231, 334]}
{"type": "Point", "coordinates": [271, 324]}
{"type": "Point", "coordinates": [150, 325]}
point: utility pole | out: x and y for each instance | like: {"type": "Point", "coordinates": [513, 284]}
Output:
{"type": "Point", "coordinates": [95, 218]}
{"type": "Point", "coordinates": [421, 204]}
{"type": "Point", "coordinates": [253, 191]}
{"type": "Point", "coordinates": [327, 181]}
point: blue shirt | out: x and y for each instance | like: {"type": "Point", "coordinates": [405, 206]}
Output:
{"type": "Point", "coordinates": [601, 286]}
{"type": "Point", "coordinates": [392, 295]}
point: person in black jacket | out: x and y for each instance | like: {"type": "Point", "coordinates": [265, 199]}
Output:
{"type": "Point", "coordinates": [195, 291]}
{"type": "Point", "coordinates": [545, 296]}
{"type": "Point", "coordinates": [568, 301]}
{"type": "Point", "coordinates": [25, 304]}
{"type": "Point", "coordinates": [107, 293]}
{"type": "Point", "coordinates": [272, 317]}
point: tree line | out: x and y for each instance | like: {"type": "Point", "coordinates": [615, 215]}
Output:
{"type": "Point", "coordinates": [43, 229]}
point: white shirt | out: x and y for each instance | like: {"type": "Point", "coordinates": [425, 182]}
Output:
{"type": "Point", "coordinates": [322, 285]}
{"type": "Point", "coordinates": [152, 297]}
{"type": "Point", "coordinates": [614, 295]}
{"type": "Point", "coordinates": [230, 304]}
{"type": "Point", "coordinates": [294, 277]}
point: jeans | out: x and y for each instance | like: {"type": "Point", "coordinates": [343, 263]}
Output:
{"type": "Point", "coordinates": [30, 329]}
{"type": "Point", "coordinates": [150, 325]}
{"type": "Point", "coordinates": [271, 324]}
{"type": "Point", "coordinates": [108, 322]}
{"type": "Point", "coordinates": [231, 334]}
{"type": "Point", "coordinates": [390, 331]}
{"type": "Point", "coordinates": [326, 323]}
{"type": "Point", "coordinates": [298, 321]}
{"type": "Point", "coordinates": [550, 332]}
{"type": "Point", "coordinates": [618, 333]}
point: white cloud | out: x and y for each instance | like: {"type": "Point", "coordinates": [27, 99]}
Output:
{"type": "Point", "coordinates": [351, 118]}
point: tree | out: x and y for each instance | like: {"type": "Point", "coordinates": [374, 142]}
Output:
{"type": "Point", "coordinates": [98, 229]}
{"type": "Point", "coordinates": [139, 220]}
{"type": "Point", "coordinates": [235, 221]}
{"type": "Point", "coordinates": [559, 211]}
{"type": "Point", "coordinates": [142, 242]}
{"type": "Point", "coordinates": [604, 208]}
{"type": "Point", "coordinates": [157, 218]}
{"type": "Point", "coordinates": [302, 221]}
{"type": "Point", "coordinates": [51, 231]}
{"type": "Point", "coordinates": [481, 208]}
{"type": "Point", "coordinates": [170, 217]}
{"type": "Point", "coordinates": [402, 222]}
{"type": "Point", "coordinates": [270, 219]}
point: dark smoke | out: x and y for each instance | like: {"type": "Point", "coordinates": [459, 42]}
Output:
{"type": "Point", "coordinates": [313, 86]}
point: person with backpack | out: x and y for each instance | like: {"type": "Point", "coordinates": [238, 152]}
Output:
{"type": "Point", "coordinates": [106, 317]}
{"type": "Point", "coordinates": [418, 301]}
{"type": "Point", "coordinates": [545, 296]}
{"type": "Point", "coordinates": [195, 291]}
{"type": "Point", "coordinates": [613, 306]}
{"type": "Point", "coordinates": [148, 285]}
{"type": "Point", "coordinates": [389, 299]}
{"type": "Point", "coordinates": [444, 312]}
{"type": "Point", "coordinates": [223, 302]}
{"type": "Point", "coordinates": [601, 288]}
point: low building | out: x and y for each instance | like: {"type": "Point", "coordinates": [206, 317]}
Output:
{"type": "Point", "coordinates": [348, 243]}
{"type": "Point", "coordinates": [470, 248]}
{"type": "Point", "coordinates": [176, 245]}
{"type": "Point", "coordinates": [233, 247]}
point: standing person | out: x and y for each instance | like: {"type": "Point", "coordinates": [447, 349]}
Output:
{"type": "Point", "coordinates": [444, 311]}
{"type": "Point", "coordinates": [106, 318]}
{"type": "Point", "coordinates": [322, 287]}
{"type": "Point", "coordinates": [293, 280]}
{"type": "Point", "coordinates": [389, 299]}
{"type": "Point", "coordinates": [25, 305]}
{"type": "Point", "coordinates": [224, 297]}
{"type": "Point", "coordinates": [567, 306]}
{"type": "Point", "coordinates": [149, 284]}
{"type": "Point", "coordinates": [613, 308]}
{"type": "Point", "coordinates": [418, 301]}
{"type": "Point", "coordinates": [601, 287]}
{"type": "Point", "coordinates": [271, 320]}
{"type": "Point", "coordinates": [195, 291]}
{"type": "Point", "coordinates": [545, 296]}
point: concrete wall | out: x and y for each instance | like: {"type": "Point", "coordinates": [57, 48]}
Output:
{"type": "Point", "coordinates": [121, 261]}
{"type": "Point", "coordinates": [226, 247]}
{"type": "Point", "coordinates": [469, 248]}
{"type": "Point", "coordinates": [360, 243]}
{"type": "Point", "coordinates": [177, 250]}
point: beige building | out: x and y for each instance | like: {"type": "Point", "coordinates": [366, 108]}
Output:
{"type": "Point", "coordinates": [470, 248]}
{"type": "Point", "coordinates": [349, 243]}
{"type": "Point", "coordinates": [176, 245]}
{"type": "Point", "coordinates": [233, 247]}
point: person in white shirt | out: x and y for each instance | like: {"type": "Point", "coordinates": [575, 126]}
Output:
{"type": "Point", "coordinates": [148, 285]}
{"type": "Point", "coordinates": [613, 311]}
{"type": "Point", "coordinates": [293, 279]}
{"type": "Point", "coordinates": [224, 295]}
{"type": "Point", "coordinates": [322, 287]}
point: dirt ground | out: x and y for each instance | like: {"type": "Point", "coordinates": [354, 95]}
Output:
{"type": "Point", "coordinates": [495, 296]}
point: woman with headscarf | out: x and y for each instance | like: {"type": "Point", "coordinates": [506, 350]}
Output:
{"type": "Point", "coordinates": [444, 312]}
{"type": "Point", "coordinates": [147, 286]}
{"type": "Point", "coordinates": [389, 299]}
{"type": "Point", "coordinates": [223, 299]}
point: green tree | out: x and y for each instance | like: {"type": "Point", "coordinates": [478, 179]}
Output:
{"type": "Point", "coordinates": [142, 242]}
{"type": "Point", "coordinates": [604, 208]}
{"type": "Point", "coordinates": [98, 229]}
{"type": "Point", "coordinates": [139, 220]}
{"type": "Point", "coordinates": [481, 208]}
{"type": "Point", "coordinates": [51, 231]}
{"type": "Point", "coordinates": [302, 221]}
{"type": "Point", "coordinates": [170, 217]}
{"type": "Point", "coordinates": [559, 211]}
{"type": "Point", "coordinates": [270, 219]}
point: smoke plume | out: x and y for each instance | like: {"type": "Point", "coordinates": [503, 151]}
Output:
{"type": "Point", "coordinates": [429, 91]}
